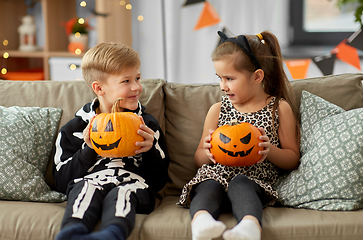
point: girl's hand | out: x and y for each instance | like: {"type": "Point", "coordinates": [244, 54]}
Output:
{"type": "Point", "coordinates": [86, 134]}
{"type": "Point", "coordinates": [265, 144]}
{"type": "Point", "coordinates": [207, 145]}
{"type": "Point", "coordinates": [148, 134]}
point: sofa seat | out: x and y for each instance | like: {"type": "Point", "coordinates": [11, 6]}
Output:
{"type": "Point", "coordinates": [276, 222]}
{"type": "Point", "coordinates": [26, 220]}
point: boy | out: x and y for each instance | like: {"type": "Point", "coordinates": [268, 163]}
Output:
{"type": "Point", "coordinates": [112, 190]}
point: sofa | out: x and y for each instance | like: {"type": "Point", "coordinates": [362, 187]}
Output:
{"type": "Point", "coordinates": [180, 110]}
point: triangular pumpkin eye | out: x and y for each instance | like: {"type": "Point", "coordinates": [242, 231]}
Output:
{"type": "Point", "coordinates": [94, 127]}
{"type": "Point", "coordinates": [224, 138]}
{"type": "Point", "coordinates": [109, 126]}
{"type": "Point", "coordinates": [246, 139]}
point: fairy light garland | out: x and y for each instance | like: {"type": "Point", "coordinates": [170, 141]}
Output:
{"type": "Point", "coordinates": [6, 55]}
{"type": "Point", "coordinates": [78, 51]}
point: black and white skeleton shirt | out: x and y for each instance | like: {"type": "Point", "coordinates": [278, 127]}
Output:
{"type": "Point", "coordinates": [74, 159]}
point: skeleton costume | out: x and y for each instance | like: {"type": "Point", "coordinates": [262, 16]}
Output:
{"type": "Point", "coordinates": [112, 189]}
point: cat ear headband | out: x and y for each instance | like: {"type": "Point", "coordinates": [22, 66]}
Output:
{"type": "Point", "coordinates": [241, 41]}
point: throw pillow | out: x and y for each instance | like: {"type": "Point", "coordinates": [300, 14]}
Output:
{"type": "Point", "coordinates": [330, 175]}
{"type": "Point", "coordinates": [26, 140]}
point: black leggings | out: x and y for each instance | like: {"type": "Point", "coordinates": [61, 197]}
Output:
{"type": "Point", "coordinates": [244, 196]}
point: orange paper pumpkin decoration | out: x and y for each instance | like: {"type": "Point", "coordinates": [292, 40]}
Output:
{"type": "Point", "coordinates": [115, 134]}
{"type": "Point", "coordinates": [236, 144]}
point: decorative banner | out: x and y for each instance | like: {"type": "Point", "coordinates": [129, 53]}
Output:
{"type": "Point", "coordinates": [347, 54]}
{"type": "Point", "coordinates": [346, 51]}
{"type": "Point", "coordinates": [189, 2]}
{"type": "Point", "coordinates": [356, 39]}
{"type": "Point", "coordinates": [208, 17]}
{"type": "Point", "coordinates": [298, 68]}
{"type": "Point", "coordinates": [325, 63]}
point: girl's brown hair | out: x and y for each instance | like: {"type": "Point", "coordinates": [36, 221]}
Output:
{"type": "Point", "coordinates": [106, 59]}
{"type": "Point", "coordinates": [268, 54]}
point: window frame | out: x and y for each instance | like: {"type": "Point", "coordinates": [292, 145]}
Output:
{"type": "Point", "coordinates": [299, 37]}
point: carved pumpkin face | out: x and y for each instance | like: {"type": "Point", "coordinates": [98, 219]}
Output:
{"type": "Point", "coordinates": [236, 145]}
{"type": "Point", "coordinates": [114, 134]}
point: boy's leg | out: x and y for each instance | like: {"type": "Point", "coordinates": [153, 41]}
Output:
{"type": "Point", "coordinates": [207, 198]}
{"type": "Point", "coordinates": [121, 205]}
{"type": "Point", "coordinates": [82, 211]}
{"type": "Point", "coordinates": [247, 199]}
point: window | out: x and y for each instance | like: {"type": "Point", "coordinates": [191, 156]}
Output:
{"type": "Point", "coordinates": [321, 22]}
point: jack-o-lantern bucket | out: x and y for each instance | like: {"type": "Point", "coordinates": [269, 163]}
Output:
{"type": "Point", "coordinates": [236, 144]}
{"type": "Point", "coordinates": [115, 134]}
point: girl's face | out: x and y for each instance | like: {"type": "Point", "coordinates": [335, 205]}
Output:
{"type": "Point", "coordinates": [126, 85]}
{"type": "Point", "coordinates": [238, 86]}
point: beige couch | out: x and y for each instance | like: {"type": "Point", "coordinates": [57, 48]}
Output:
{"type": "Point", "coordinates": [180, 110]}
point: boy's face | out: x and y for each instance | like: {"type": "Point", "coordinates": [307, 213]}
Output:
{"type": "Point", "coordinates": [126, 85]}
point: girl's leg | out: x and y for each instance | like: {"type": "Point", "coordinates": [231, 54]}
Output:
{"type": "Point", "coordinates": [247, 199]}
{"type": "Point", "coordinates": [207, 198]}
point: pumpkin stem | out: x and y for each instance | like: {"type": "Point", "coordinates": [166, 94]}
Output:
{"type": "Point", "coordinates": [233, 122]}
{"type": "Point", "coordinates": [116, 106]}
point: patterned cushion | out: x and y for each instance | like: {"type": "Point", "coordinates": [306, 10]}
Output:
{"type": "Point", "coordinates": [330, 176]}
{"type": "Point", "coordinates": [26, 141]}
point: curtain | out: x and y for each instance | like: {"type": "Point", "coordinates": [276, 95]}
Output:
{"type": "Point", "coordinates": [169, 48]}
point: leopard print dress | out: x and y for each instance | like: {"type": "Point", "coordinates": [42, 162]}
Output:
{"type": "Point", "coordinates": [264, 174]}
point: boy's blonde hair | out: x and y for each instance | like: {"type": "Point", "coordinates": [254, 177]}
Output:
{"type": "Point", "coordinates": [106, 59]}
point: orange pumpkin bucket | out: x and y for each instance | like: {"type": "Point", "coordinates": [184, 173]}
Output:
{"type": "Point", "coordinates": [236, 144]}
{"type": "Point", "coordinates": [115, 134]}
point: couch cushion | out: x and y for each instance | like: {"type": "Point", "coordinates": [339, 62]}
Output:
{"type": "Point", "coordinates": [26, 141]}
{"type": "Point", "coordinates": [169, 221]}
{"type": "Point", "coordinates": [344, 90]}
{"type": "Point", "coordinates": [330, 174]}
{"type": "Point", "coordinates": [30, 220]}
{"type": "Point", "coordinates": [301, 224]}
{"type": "Point", "coordinates": [152, 97]}
{"type": "Point", "coordinates": [70, 96]}
{"type": "Point", "coordinates": [186, 108]}
{"type": "Point", "coordinates": [40, 221]}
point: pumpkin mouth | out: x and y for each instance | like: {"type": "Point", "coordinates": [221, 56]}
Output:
{"type": "Point", "coordinates": [241, 153]}
{"type": "Point", "coordinates": [106, 147]}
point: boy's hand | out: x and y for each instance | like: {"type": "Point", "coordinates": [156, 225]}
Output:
{"type": "Point", "coordinates": [148, 134]}
{"type": "Point", "coordinates": [86, 135]}
{"type": "Point", "coordinates": [265, 144]}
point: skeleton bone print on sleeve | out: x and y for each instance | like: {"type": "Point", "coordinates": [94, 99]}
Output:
{"type": "Point", "coordinates": [131, 182]}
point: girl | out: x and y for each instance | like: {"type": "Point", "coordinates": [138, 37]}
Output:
{"type": "Point", "coordinates": [257, 91]}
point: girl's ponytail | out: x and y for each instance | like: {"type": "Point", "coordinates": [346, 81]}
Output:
{"type": "Point", "coordinates": [268, 52]}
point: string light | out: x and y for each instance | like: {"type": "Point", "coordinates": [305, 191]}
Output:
{"type": "Point", "coordinates": [77, 35]}
{"type": "Point", "coordinates": [140, 18]}
{"type": "Point", "coordinates": [83, 4]}
{"type": "Point", "coordinates": [122, 3]}
{"type": "Point", "coordinates": [128, 6]}
{"type": "Point", "coordinates": [73, 66]}
{"type": "Point", "coordinates": [81, 20]}
{"type": "Point", "coordinates": [5, 55]}
{"type": "Point", "coordinates": [78, 51]}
